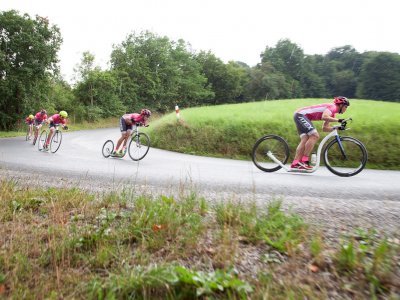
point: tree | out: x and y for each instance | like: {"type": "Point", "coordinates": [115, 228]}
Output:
{"type": "Point", "coordinates": [99, 93]}
{"type": "Point", "coordinates": [86, 65]}
{"type": "Point", "coordinates": [83, 72]}
{"type": "Point", "coordinates": [380, 77]}
{"type": "Point", "coordinates": [227, 81]}
{"type": "Point", "coordinates": [266, 83]}
{"type": "Point", "coordinates": [344, 67]}
{"type": "Point", "coordinates": [28, 58]}
{"type": "Point", "coordinates": [160, 71]}
{"type": "Point", "coordinates": [286, 60]}
{"type": "Point", "coordinates": [312, 83]}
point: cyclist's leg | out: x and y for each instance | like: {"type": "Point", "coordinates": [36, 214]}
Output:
{"type": "Point", "coordinates": [309, 145]}
{"type": "Point", "coordinates": [308, 137]}
{"type": "Point", "coordinates": [37, 128]}
{"type": "Point", "coordinates": [51, 132]}
{"type": "Point", "coordinates": [30, 130]}
{"type": "Point", "coordinates": [122, 127]}
{"type": "Point", "coordinates": [127, 135]}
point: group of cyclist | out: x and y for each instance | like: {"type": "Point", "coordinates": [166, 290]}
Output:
{"type": "Point", "coordinates": [303, 118]}
{"type": "Point", "coordinates": [126, 123]}
{"type": "Point", "coordinates": [36, 121]}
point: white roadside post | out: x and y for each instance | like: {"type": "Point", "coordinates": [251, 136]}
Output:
{"type": "Point", "coordinates": [177, 111]}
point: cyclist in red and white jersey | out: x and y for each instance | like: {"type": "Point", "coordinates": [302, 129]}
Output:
{"type": "Point", "coordinates": [125, 125]}
{"type": "Point", "coordinates": [308, 133]}
{"type": "Point", "coordinates": [40, 118]}
{"type": "Point", "coordinates": [56, 119]}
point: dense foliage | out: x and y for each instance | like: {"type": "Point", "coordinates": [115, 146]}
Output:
{"type": "Point", "coordinates": [147, 70]}
{"type": "Point", "coordinates": [28, 61]}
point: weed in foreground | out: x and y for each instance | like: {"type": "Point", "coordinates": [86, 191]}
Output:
{"type": "Point", "coordinates": [75, 245]}
{"type": "Point", "coordinates": [263, 224]}
{"type": "Point", "coordinates": [169, 282]}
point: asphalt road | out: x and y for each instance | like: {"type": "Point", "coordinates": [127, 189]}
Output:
{"type": "Point", "coordinates": [80, 155]}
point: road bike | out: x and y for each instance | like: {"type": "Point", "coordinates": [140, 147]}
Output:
{"type": "Point", "coordinates": [344, 156]}
{"type": "Point", "coordinates": [55, 141]}
{"type": "Point", "coordinates": [138, 147]}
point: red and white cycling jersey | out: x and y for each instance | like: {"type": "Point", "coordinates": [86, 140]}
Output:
{"type": "Point", "coordinates": [137, 118]}
{"type": "Point", "coordinates": [57, 120]}
{"type": "Point", "coordinates": [40, 118]}
{"type": "Point", "coordinates": [314, 112]}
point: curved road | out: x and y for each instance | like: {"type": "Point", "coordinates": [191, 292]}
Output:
{"type": "Point", "coordinates": [80, 156]}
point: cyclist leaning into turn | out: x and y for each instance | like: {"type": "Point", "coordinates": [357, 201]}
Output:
{"type": "Point", "coordinates": [54, 120]}
{"type": "Point", "coordinates": [40, 118]}
{"type": "Point", "coordinates": [29, 121]}
{"type": "Point", "coordinates": [308, 134]}
{"type": "Point", "coordinates": [125, 124]}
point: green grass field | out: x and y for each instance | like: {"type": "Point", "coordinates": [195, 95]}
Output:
{"type": "Point", "coordinates": [230, 131]}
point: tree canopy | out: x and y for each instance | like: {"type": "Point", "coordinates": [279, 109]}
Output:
{"type": "Point", "coordinates": [28, 60]}
{"type": "Point", "coordinates": [147, 70]}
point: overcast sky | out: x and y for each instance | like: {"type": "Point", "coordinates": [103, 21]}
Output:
{"type": "Point", "coordinates": [231, 29]}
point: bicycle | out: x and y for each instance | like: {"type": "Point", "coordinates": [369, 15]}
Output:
{"type": "Point", "coordinates": [344, 156]}
{"type": "Point", "coordinates": [138, 147]}
{"type": "Point", "coordinates": [55, 142]}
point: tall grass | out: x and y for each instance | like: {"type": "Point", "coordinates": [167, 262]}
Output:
{"type": "Point", "coordinates": [65, 243]}
{"type": "Point", "coordinates": [231, 130]}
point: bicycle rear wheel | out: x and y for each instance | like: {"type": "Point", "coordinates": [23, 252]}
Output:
{"type": "Point", "coordinates": [55, 142]}
{"type": "Point", "coordinates": [42, 140]}
{"type": "Point", "coordinates": [272, 145]}
{"type": "Point", "coordinates": [346, 158]}
{"type": "Point", "coordinates": [139, 145]}
{"type": "Point", "coordinates": [108, 148]}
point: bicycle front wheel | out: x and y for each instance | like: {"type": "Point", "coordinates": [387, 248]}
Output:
{"type": "Point", "coordinates": [108, 148]}
{"type": "Point", "coordinates": [267, 147]}
{"type": "Point", "coordinates": [139, 145]}
{"type": "Point", "coordinates": [345, 158]}
{"type": "Point", "coordinates": [55, 141]}
{"type": "Point", "coordinates": [42, 140]}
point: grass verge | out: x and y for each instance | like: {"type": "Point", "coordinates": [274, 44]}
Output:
{"type": "Point", "coordinates": [66, 243]}
{"type": "Point", "coordinates": [230, 131]}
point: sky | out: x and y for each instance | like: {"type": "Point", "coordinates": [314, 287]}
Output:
{"type": "Point", "coordinates": [238, 30]}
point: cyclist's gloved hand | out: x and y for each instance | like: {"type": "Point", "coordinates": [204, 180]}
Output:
{"type": "Point", "coordinates": [66, 127]}
{"type": "Point", "coordinates": [340, 120]}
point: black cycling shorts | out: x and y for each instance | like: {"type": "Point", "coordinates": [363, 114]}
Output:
{"type": "Point", "coordinates": [123, 126]}
{"type": "Point", "coordinates": [303, 124]}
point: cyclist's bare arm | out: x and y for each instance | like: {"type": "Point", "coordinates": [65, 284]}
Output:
{"type": "Point", "coordinates": [326, 117]}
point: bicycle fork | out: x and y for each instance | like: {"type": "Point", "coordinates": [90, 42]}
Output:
{"type": "Point", "coordinates": [339, 141]}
